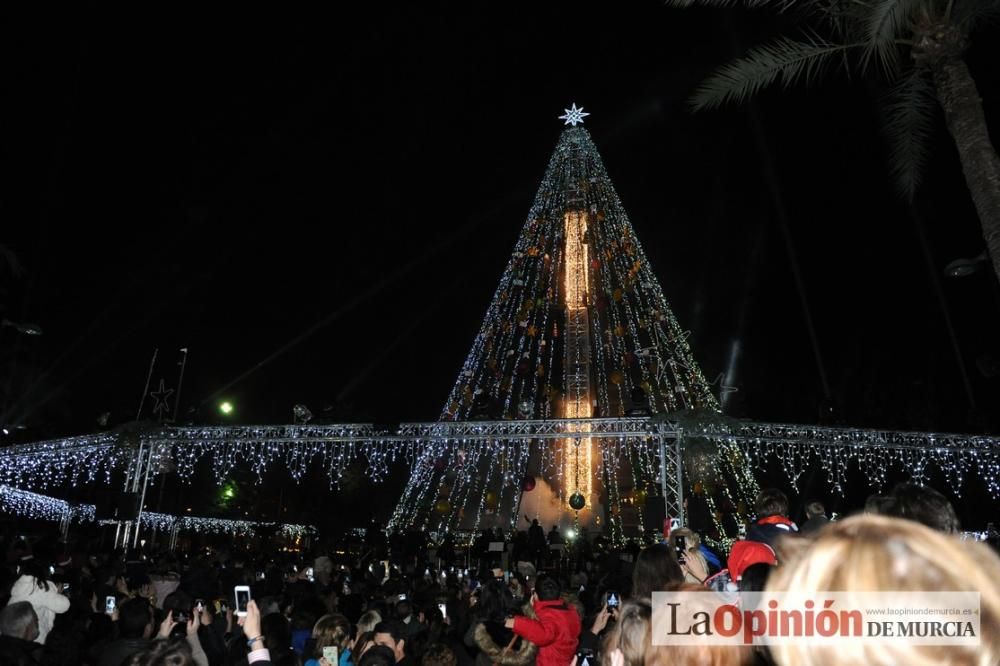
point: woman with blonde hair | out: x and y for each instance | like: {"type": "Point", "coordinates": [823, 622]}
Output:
{"type": "Point", "coordinates": [368, 621]}
{"type": "Point", "coordinates": [692, 562]}
{"type": "Point", "coordinates": [696, 654]}
{"type": "Point", "coordinates": [630, 636]}
{"type": "Point", "coordinates": [871, 553]}
{"type": "Point", "coordinates": [331, 631]}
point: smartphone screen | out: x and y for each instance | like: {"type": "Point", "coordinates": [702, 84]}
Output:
{"type": "Point", "coordinates": [330, 654]}
{"type": "Point", "coordinates": [402, 597]}
{"type": "Point", "coordinates": [613, 600]}
{"type": "Point", "coordinates": [681, 545]}
{"type": "Point", "coordinates": [444, 609]}
{"type": "Point", "coordinates": [109, 605]}
{"type": "Point", "coordinates": [242, 599]}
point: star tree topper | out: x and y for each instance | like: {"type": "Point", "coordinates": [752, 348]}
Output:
{"type": "Point", "coordinates": [161, 396]}
{"type": "Point", "coordinates": [573, 115]}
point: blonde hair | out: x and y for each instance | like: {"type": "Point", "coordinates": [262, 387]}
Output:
{"type": "Point", "coordinates": [692, 545]}
{"type": "Point", "coordinates": [870, 553]}
{"type": "Point", "coordinates": [697, 654]}
{"type": "Point", "coordinates": [368, 621]}
{"type": "Point", "coordinates": [630, 634]}
{"type": "Point", "coordinates": [331, 630]}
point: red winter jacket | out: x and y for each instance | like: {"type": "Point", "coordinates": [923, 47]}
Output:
{"type": "Point", "coordinates": [555, 632]}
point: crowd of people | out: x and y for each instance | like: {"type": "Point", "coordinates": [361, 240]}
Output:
{"type": "Point", "coordinates": [391, 605]}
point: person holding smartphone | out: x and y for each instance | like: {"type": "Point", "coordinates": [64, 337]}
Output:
{"type": "Point", "coordinates": [590, 641]}
{"type": "Point", "coordinates": [331, 639]}
{"type": "Point", "coordinates": [250, 621]}
{"type": "Point", "coordinates": [687, 545]}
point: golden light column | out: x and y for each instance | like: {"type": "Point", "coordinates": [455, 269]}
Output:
{"type": "Point", "coordinates": [577, 404]}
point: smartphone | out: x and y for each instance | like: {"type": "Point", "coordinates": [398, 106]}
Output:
{"type": "Point", "coordinates": [109, 604]}
{"type": "Point", "coordinates": [65, 588]}
{"type": "Point", "coordinates": [585, 657]}
{"type": "Point", "coordinates": [260, 575]}
{"type": "Point", "coordinates": [613, 600]}
{"type": "Point", "coordinates": [52, 570]}
{"type": "Point", "coordinates": [506, 576]}
{"type": "Point", "coordinates": [199, 605]}
{"type": "Point", "coordinates": [330, 654]}
{"type": "Point", "coordinates": [444, 609]}
{"type": "Point", "coordinates": [182, 616]}
{"type": "Point", "coordinates": [401, 597]}
{"type": "Point", "coordinates": [309, 575]}
{"type": "Point", "coordinates": [242, 593]}
{"type": "Point", "coordinates": [680, 543]}
{"type": "Point", "coordinates": [741, 531]}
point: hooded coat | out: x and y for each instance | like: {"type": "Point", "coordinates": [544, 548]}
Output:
{"type": "Point", "coordinates": [556, 632]}
{"type": "Point", "coordinates": [46, 602]}
{"type": "Point", "coordinates": [492, 638]}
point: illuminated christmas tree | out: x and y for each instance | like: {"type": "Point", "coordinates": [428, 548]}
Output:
{"type": "Point", "coordinates": [579, 328]}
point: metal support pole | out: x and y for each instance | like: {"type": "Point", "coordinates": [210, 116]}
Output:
{"type": "Point", "coordinates": [145, 486]}
{"type": "Point", "coordinates": [679, 470]}
{"type": "Point", "coordinates": [131, 486]}
{"type": "Point", "coordinates": [64, 522]}
{"type": "Point", "coordinates": [663, 477]}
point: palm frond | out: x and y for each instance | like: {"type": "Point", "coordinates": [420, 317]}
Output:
{"type": "Point", "coordinates": [790, 60]}
{"type": "Point", "coordinates": [970, 14]}
{"type": "Point", "coordinates": [883, 23]}
{"type": "Point", "coordinates": [909, 109]}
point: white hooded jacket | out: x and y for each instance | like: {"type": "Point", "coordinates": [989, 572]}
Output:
{"type": "Point", "coordinates": [47, 603]}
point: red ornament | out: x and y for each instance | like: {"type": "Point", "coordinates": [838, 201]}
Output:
{"type": "Point", "coordinates": [528, 483]}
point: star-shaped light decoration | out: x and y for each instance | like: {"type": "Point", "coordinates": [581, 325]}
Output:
{"type": "Point", "coordinates": [573, 115]}
{"type": "Point", "coordinates": [161, 396]}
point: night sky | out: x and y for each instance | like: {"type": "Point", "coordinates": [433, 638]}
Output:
{"type": "Point", "coordinates": [346, 190]}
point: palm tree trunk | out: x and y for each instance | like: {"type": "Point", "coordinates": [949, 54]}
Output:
{"type": "Point", "coordinates": [963, 111]}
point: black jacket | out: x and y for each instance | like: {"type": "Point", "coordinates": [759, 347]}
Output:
{"type": "Point", "coordinates": [118, 651]}
{"type": "Point", "coordinates": [18, 652]}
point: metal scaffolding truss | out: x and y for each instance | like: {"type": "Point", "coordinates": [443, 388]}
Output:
{"type": "Point", "coordinates": [356, 433]}
{"type": "Point", "coordinates": [532, 429]}
{"type": "Point", "coordinates": [823, 436]}
{"type": "Point", "coordinates": [138, 451]}
{"type": "Point", "coordinates": [444, 431]}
